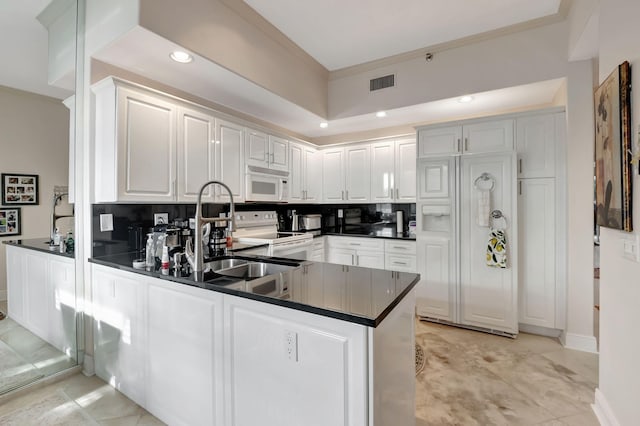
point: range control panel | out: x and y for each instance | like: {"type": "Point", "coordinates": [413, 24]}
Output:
{"type": "Point", "coordinates": [255, 219]}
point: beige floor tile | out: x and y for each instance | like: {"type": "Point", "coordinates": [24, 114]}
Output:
{"type": "Point", "coordinates": [107, 403]}
{"type": "Point", "coordinates": [586, 418]}
{"type": "Point", "coordinates": [54, 409]}
{"type": "Point", "coordinates": [583, 363]}
{"type": "Point", "coordinates": [23, 341]}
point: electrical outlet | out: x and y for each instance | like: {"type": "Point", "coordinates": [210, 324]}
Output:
{"type": "Point", "coordinates": [160, 218]}
{"type": "Point", "coordinates": [106, 222]}
{"type": "Point", "coordinates": [291, 345]}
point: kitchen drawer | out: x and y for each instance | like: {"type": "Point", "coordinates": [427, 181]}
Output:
{"type": "Point", "coordinates": [400, 262]}
{"type": "Point", "coordinates": [356, 243]}
{"type": "Point", "coordinates": [400, 247]}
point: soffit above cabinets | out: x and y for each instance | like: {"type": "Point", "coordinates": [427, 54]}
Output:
{"type": "Point", "coordinates": [341, 34]}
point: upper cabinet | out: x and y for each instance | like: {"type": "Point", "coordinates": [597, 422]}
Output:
{"type": "Point", "coordinates": [536, 144]}
{"type": "Point", "coordinates": [393, 171]}
{"type": "Point", "coordinates": [346, 173]}
{"type": "Point", "coordinates": [154, 148]}
{"type": "Point", "coordinates": [472, 138]}
{"type": "Point", "coordinates": [305, 174]}
{"type": "Point", "coordinates": [267, 151]}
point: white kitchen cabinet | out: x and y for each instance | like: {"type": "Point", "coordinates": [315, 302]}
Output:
{"type": "Point", "coordinates": [488, 295]}
{"type": "Point", "coordinates": [62, 305]}
{"type": "Point", "coordinates": [400, 256]}
{"type": "Point", "coordinates": [359, 290]}
{"type": "Point", "coordinates": [439, 140]}
{"type": "Point", "coordinates": [469, 138]}
{"type": "Point", "coordinates": [266, 151]}
{"type": "Point", "coordinates": [333, 168]}
{"type": "Point", "coordinates": [405, 173]}
{"type": "Point", "coordinates": [120, 343]}
{"type": "Point", "coordinates": [383, 171]}
{"type": "Point", "coordinates": [435, 177]}
{"type": "Point", "coordinates": [38, 293]}
{"type": "Point", "coordinates": [357, 173]}
{"type": "Point", "coordinates": [488, 136]}
{"type": "Point", "coordinates": [312, 175]}
{"type": "Point", "coordinates": [305, 174]}
{"type": "Point", "coordinates": [537, 254]}
{"type": "Point", "coordinates": [436, 292]}
{"type": "Point", "coordinates": [196, 153]}
{"type": "Point", "coordinates": [229, 160]}
{"type": "Point", "coordinates": [324, 383]}
{"type": "Point", "coordinates": [184, 365]}
{"type": "Point", "coordinates": [536, 145]}
{"type": "Point", "coordinates": [154, 148]}
{"type": "Point", "coordinates": [41, 296]}
{"type": "Point", "coordinates": [16, 286]}
{"type": "Point", "coordinates": [135, 144]}
{"type": "Point", "coordinates": [317, 250]}
{"type": "Point", "coordinates": [341, 256]}
{"type": "Point", "coordinates": [393, 171]}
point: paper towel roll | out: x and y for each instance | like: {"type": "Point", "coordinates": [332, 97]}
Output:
{"type": "Point", "coordinates": [399, 221]}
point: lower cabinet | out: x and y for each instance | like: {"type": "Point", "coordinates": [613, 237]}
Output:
{"type": "Point", "coordinates": [185, 329]}
{"type": "Point", "coordinates": [41, 296]}
{"type": "Point", "coordinates": [435, 295]}
{"type": "Point", "coordinates": [390, 255]}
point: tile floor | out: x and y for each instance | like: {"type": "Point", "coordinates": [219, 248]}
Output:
{"type": "Point", "coordinates": [24, 357]}
{"type": "Point", "coordinates": [473, 378]}
{"type": "Point", "coordinates": [470, 378]}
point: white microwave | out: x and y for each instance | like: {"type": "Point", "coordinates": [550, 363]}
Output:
{"type": "Point", "coordinates": [266, 185]}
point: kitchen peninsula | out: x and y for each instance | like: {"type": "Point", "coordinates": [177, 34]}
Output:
{"type": "Point", "coordinates": [312, 343]}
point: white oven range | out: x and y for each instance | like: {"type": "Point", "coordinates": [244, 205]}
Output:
{"type": "Point", "coordinates": [259, 227]}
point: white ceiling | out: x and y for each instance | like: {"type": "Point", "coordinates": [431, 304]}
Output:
{"type": "Point", "coordinates": [23, 41]}
{"type": "Point", "coordinates": [339, 33]}
{"type": "Point", "coordinates": [142, 52]}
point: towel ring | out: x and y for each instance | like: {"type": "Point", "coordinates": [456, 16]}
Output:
{"type": "Point", "coordinates": [496, 215]}
{"type": "Point", "coordinates": [483, 178]}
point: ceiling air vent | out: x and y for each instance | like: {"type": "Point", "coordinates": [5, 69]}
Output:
{"type": "Point", "coordinates": [382, 82]}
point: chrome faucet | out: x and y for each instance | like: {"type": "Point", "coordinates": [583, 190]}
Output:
{"type": "Point", "coordinates": [195, 257]}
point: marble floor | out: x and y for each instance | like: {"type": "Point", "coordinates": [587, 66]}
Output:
{"type": "Point", "coordinates": [473, 378]}
{"type": "Point", "coordinates": [470, 378]}
{"type": "Point", "coordinates": [24, 357]}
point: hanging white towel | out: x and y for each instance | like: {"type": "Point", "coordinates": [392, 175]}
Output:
{"type": "Point", "coordinates": [497, 248]}
{"type": "Point", "coordinates": [484, 207]}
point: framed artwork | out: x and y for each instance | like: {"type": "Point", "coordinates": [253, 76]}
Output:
{"type": "Point", "coordinates": [19, 190]}
{"type": "Point", "coordinates": [10, 221]}
{"type": "Point", "coordinates": [613, 150]}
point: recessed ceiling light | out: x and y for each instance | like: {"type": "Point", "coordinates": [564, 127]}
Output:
{"type": "Point", "coordinates": [324, 124]}
{"type": "Point", "coordinates": [465, 99]}
{"type": "Point", "coordinates": [381, 114]}
{"type": "Point", "coordinates": [180, 56]}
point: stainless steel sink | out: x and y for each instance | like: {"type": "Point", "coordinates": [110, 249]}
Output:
{"type": "Point", "coordinates": [221, 264]}
{"type": "Point", "coordinates": [254, 270]}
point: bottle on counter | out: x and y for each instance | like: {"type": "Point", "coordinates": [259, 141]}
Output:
{"type": "Point", "coordinates": [150, 252]}
{"type": "Point", "coordinates": [164, 263]}
{"type": "Point", "coordinates": [70, 243]}
{"type": "Point", "coordinates": [56, 237]}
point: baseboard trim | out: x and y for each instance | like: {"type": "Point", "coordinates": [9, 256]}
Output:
{"type": "Point", "coordinates": [579, 342]}
{"type": "Point", "coordinates": [541, 331]}
{"type": "Point", "coordinates": [3, 295]}
{"type": "Point", "coordinates": [603, 411]}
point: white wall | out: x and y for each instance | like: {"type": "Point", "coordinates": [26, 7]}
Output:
{"type": "Point", "coordinates": [34, 140]}
{"type": "Point", "coordinates": [619, 385]}
{"type": "Point", "coordinates": [578, 333]}
{"type": "Point", "coordinates": [529, 56]}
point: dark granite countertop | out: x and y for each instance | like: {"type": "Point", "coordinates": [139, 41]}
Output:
{"type": "Point", "coordinates": [38, 244]}
{"type": "Point", "coordinates": [369, 231]}
{"type": "Point", "coordinates": [359, 295]}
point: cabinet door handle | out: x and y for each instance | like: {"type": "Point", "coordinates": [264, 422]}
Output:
{"type": "Point", "coordinates": [466, 144]}
{"type": "Point", "coordinates": [342, 195]}
{"type": "Point", "coordinates": [347, 195]}
{"type": "Point", "coordinates": [458, 145]}
{"type": "Point", "coordinates": [520, 187]}
{"type": "Point", "coordinates": [355, 244]}
{"type": "Point", "coordinates": [397, 194]}
{"type": "Point", "coordinates": [357, 261]}
{"type": "Point", "coordinates": [400, 263]}
{"type": "Point", "coordinates": [399, 247]}
{"type": "Point", "coordinates": [520, 165]}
